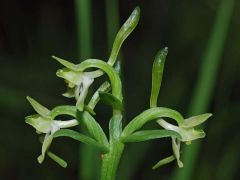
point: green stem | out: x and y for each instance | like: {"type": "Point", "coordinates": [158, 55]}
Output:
{"type": "Point", "coordinates": [111, 159]}
{"type": "Point", "coordinates": [207, 77]}
{"type": "Point", "coordinates": [88, 155]}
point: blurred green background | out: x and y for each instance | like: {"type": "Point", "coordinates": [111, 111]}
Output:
{"type": "Point", "coordinates": [202, 74]}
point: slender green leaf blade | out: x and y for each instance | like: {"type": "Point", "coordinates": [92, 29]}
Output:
{"type": "Point", "coordinates": [93, 127]}
{"type": "Point", "coordinates": [123, 33]}
{"type": "Point", "coordinates": [79, 137]}
{"type": "Point", "coordinates": [146, 135]}
{"type": "Point", "coordinates": [157, 73]}
{"type": "Point", "coordinates": [150, 115]}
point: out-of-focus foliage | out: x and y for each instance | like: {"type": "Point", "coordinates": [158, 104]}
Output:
{"type": "Point", "coordinates": [31, 31]}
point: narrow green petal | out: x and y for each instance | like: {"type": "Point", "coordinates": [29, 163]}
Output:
{"type": "Point", "coordinates": [40, 109]}
{"type": "Point", "coordinates": [164, 161]}
{"type": "Point", "coordinates": [69, 93]}
{"type": "Point", "coordinates": [65, 63]}
{"type": "Point", "coordinates": [46, 143]}
{"type": "Point", "coordinates": [57, 159]}
{"type": "Point", "coordinates": [72, 77]}
{"type": "Point", "coordinates": [176, 151]}
{"type": "Point", "coordinates": [191, 134]}
{"type": "Point", "coordinates": [157, 73]}
{"type": "Point", "coordinates": [86, 83]}
{"type": "Point", "coordinates": [39, 123]}
{"type": "Point", "coordinates": [196, 120]}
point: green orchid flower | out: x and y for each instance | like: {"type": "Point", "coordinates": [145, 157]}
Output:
{"type": "Point", "coordinates": [44, 122]}
{"type": "Point", "coordinates": [187, 131]}
{"type": "Point", "coordinates": [78, 83]}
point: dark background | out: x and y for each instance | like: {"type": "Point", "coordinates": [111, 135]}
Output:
{"type": "Point", "coordinates": [32, 31]}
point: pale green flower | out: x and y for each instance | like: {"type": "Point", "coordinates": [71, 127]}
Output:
{"type": "Point", "coordinates": [78, 81]}
{"type": "Point", "coordinates": [187, 131]}
{"type": "Point", "coordinates": [44, 123]}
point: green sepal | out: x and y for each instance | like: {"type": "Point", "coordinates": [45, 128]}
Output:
{"type": "Point", "coordinates": [149, 115]}
{"type": "Point", "coordinates": [111, 100]}
{"type": "Point", "coordinates": [157, 73]}
{"type": "Point", "coordinates": [41, 124]}
{"type": "Point", "coordinates": [80, 137]}
{"type": "Point", "coordinates": [196, 120]}
{"type": "Point", "coordinates": [40, 109]}
{"type": "Point", "coordinates": [164, 161]}
{"type": "Point", "coordinates": [65, 63]}
{"type": "Point", "coordinates": [146, 135]}
{"type": "Point", "coordinates": [57, 159]}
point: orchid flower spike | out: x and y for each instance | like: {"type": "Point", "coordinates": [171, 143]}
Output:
{"type": "Point", "coordinates": [44, 122]}
{"type": "Point", "coordinates": [187, 132]}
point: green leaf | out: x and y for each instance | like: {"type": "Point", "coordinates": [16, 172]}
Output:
{"type": "Point", "coordinates": [64, 110]}
{"type": "Point", "coordinates": [93, 127]}
{"type": "Point", "coordinates": [104, 87]}
{"type": "Point", "coordinates": [148, 135]}
{"type": "Point", "coordinates": [111, 100]}
{"type": "Point", "coordinates": [57, 159]}
{"type": "Point", "coordinates": [79, 137]}
{"type": "Point", "coordinates": [196, 120]}
{"type": "Point", "coordinates": [65, 63]}
{"type": "Point", "coordinates": [164, 161]}
{"type": "Point", "coordinates": [43, 111]}
{"type": "Point", "coordinates": [149, 115]}
{"type": "Point", "coordinates": [123, 33]}
{"type": "Point", "coordinates": [157, 73]}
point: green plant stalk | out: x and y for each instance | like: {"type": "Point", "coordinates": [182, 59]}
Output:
{"type": "Point", "coordinates": [207, 76]}
{"type": "Point", "coordinates": [111, 160]}
{"type": "Point", "coordinates": [87, 155]}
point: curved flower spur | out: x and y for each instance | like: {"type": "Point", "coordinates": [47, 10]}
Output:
{"type": "Point", "coordinates": [79, 79]}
